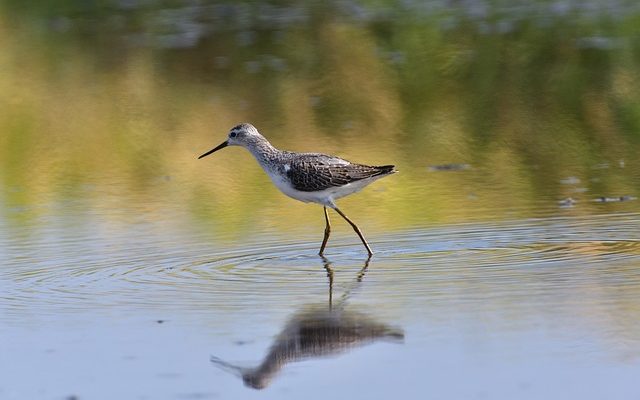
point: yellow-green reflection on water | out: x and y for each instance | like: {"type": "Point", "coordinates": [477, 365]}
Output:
{"type": "Point", "coordinates": [526, 111]}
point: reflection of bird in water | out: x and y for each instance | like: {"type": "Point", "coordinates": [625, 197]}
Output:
{"type": "Point", "coordinates": [315, 331]}
{"type": "Point", "coordinates": [311, 333]}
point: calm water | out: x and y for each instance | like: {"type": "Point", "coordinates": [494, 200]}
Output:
{"type": "Point", "coordinates": [528, 309]}
{"type": "Point", "coordinates": [507, 248]}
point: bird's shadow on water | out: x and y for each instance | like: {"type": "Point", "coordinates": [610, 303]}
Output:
{"type": "Point", "coordinates": [317, 330]}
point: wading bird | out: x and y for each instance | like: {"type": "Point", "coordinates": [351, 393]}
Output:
{"type": "Point", "coordinates": [308, 177]}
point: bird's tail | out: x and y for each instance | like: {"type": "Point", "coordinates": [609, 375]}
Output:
{"type": "Point", "coordinates": [386, 169]}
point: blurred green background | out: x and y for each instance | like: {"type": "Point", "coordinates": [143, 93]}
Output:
{"type": "Point", "coordinates": [108, 103]}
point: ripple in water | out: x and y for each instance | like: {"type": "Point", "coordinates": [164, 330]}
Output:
{"type": "Point", "coordinates": [191, 273]}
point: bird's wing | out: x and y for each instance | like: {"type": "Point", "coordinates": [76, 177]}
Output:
{"type": "Point", "coordinates": [315, 172]}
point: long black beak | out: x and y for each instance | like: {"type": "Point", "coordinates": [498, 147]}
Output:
{"type": "Point", "coordinates": [220, 146]}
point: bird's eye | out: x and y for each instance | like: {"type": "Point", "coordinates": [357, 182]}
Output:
{"type": "Point", "coordinates": [232, 134]}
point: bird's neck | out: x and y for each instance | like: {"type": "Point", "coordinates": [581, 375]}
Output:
{"type": "Point", "coordinates": [263, 151]}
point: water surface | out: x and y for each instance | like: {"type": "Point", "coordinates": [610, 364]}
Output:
{"type": "Point", "coordinates": [532, 308]}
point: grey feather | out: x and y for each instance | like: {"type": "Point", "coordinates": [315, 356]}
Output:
{"type": "Point", "coordinates": [310, 172]}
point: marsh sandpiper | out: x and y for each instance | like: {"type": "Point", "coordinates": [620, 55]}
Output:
{"type": "Point", "coordinates": [308, 177]}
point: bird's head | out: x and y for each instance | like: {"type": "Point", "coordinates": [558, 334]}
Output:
{"type": "Point", "coordinates": [240, 135]}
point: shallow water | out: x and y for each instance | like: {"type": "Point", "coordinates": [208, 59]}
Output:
{"type": "Point", "coordinates": [507, 248]}
{"type": "Point", "coordinates": [532, 308]}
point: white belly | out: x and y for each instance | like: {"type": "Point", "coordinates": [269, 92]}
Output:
{"type": "Point", "coordinates": [325, 197]}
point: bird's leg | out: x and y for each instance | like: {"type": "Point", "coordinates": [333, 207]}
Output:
{"type": "Point", "coordinates": [355, 228]}
{"type": "Point", "coordinates": [327, 231]}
